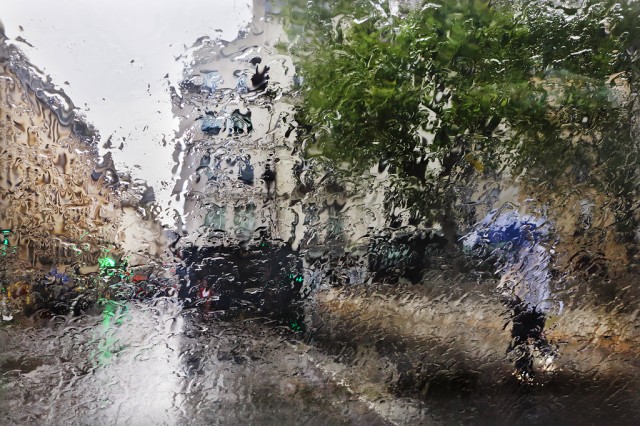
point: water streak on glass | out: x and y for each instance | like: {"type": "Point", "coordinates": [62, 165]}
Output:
{"type": "Point", "coordinates": [320, 212]}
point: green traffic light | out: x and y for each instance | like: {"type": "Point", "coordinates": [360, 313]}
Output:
{"type": "Point", "coordinates": [106, 262]}
{"type": "Point", "coordinates": [5, 233]}
{"type": "Point", "coordinates": [296, 278]}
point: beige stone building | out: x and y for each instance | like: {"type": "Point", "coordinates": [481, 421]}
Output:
{"type": "Point", "coordinates": [60, 204]}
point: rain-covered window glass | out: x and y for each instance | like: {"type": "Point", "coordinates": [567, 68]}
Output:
{"type": "Point", "coordinates": [320, 212]}
{"type": "Point", "coordinates": [215, 217]}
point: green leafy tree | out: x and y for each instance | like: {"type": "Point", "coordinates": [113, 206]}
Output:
{"type": "Point", "coordinates": [456, 89]}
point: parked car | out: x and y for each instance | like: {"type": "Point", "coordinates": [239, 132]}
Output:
{"type": "Point", "coordinates": [403, 254]}
{"type": "Point", "coordinates": [261, 278]}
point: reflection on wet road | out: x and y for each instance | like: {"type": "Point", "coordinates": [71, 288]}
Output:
{"type": "Point", "coordinates": [155, 364]}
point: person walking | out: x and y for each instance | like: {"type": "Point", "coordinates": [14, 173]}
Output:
{"type": "Point", "coordinates": [518, 243]}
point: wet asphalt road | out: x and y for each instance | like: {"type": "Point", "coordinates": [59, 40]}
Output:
{"type": "Point", "coordinates": [154, 363]}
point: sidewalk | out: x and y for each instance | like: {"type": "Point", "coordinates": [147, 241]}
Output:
{"type": "Point", "coordinates": [399, 344]}
{"type": "Point", "coordinates": [404, 326]}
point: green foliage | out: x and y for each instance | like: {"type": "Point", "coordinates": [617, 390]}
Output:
{"type": "Point", "coordinates": [456, 88]}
